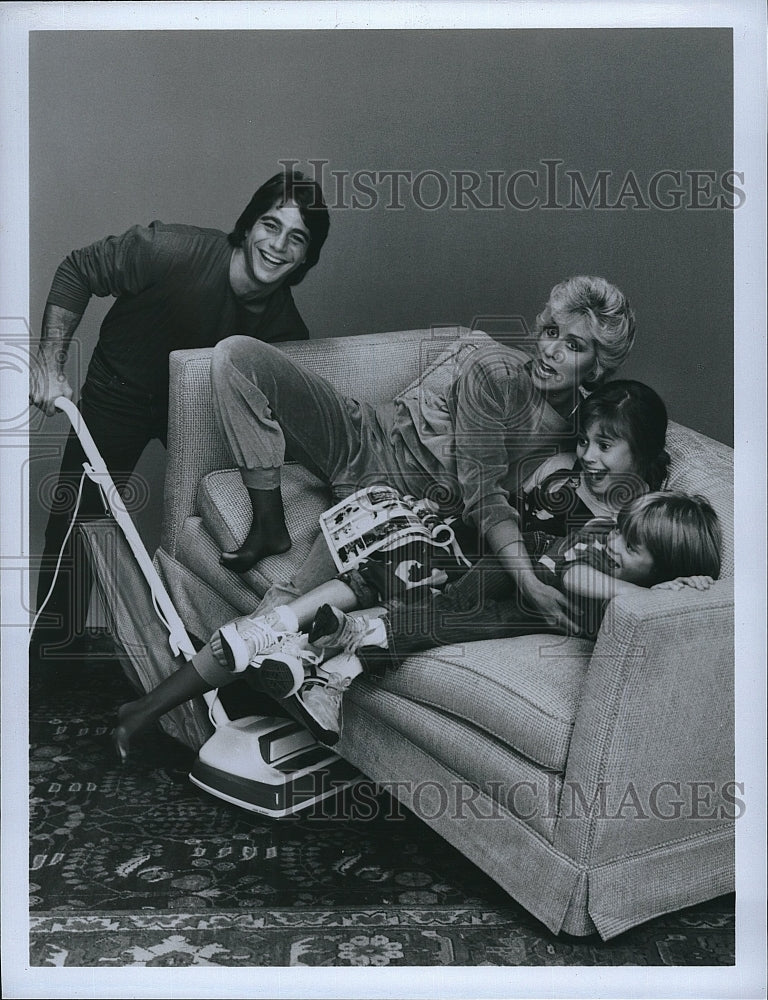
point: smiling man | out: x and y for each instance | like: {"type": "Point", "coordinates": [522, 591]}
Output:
{"type": "Point", "coordinates": [274, 247]}
{"type": "Point", "coordinates": [175, 287]}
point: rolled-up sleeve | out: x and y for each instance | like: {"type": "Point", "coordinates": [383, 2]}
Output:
{"type": "Point", "coordinates": [497, 414]}
{"type": "Point", "coordinates": [116, 265]}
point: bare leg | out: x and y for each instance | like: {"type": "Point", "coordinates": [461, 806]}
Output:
{"type": "Point", "coordinates": [267, 536]}
{"type": "Point", "coordinates": [334, 592]}
{"type": "Point", "coordinates": [317, 568]}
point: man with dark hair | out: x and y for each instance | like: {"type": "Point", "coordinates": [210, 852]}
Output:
{"type": "Point", "coordinates": [175, 286]}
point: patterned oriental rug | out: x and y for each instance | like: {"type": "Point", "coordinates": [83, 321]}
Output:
{"type": "Point", "coordinates": [132, 865]}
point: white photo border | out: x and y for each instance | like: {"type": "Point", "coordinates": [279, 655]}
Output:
{"type": "Point", "coordinates": [746, 978]}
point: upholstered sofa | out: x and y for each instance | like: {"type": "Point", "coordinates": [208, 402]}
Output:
{"type": "Point", "coordinates": [593, 782]}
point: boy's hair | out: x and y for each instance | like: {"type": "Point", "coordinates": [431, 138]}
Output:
{"type": "Point", "coordinates": [288, 186]}
{"type": "Point", "coordinates": [609, 315]}
{"type": "Point", "coordinates": [681, 532]}
{"type": "Point", "coordinates": [634, 412]}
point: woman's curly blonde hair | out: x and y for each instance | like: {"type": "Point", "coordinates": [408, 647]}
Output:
{"type": "Point", "coordinates": [608, 313]}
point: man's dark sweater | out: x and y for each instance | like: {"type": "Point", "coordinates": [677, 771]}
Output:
{"type": "Point", "coordinates": [172, 291]}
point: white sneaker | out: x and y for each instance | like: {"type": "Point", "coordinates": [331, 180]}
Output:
{"type": "Point", "coordinates": [334, 629]}
{"type": "Point", "coordinates": [280, 670]}
{"type": "Point", "coordinates": [246, 638]}
{"type": "Point", "coordinates": [319, 701]}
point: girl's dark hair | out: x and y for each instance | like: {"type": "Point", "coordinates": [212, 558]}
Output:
{"type": "Point", "coordinates": [634, 412]}
{"type": "Point", "coordinates": [681, 532]}
{"type": "Point", "coordinates": [289, 186]}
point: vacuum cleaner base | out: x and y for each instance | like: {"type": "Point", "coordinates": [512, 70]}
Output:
{"type": "Point", "coordinates": [270, 766]}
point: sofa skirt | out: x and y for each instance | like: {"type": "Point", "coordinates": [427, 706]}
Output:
{"type": "Point", "coordinates": [505, 847]}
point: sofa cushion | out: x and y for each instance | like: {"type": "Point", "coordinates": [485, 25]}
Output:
{"type": "Point", "coordinates": [197, 551]}
{"type": "Point", "coordinates": [522, 691]}
{"type": "Point", "coordinates": [529, 792]}
{"type": "Point", "coordinates": [373, 368]}
{"type": "Point", "coordinates": [702, 465]}
{"type": "Point", "coordinates": [225, 510]}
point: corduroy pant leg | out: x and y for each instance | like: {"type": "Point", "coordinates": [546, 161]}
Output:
{"type": "Point", "coordinates": [267, 404]}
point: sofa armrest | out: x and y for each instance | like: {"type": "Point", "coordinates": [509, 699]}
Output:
{"type": "Point", "coordinates": [653, 739]}
{"type": "Point", "coordinates": [194, 445]}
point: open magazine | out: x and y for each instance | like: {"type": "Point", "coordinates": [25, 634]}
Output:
{"type": "Point", "coordinates": [378, 519]}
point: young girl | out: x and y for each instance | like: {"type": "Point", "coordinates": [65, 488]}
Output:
{"type": "Point", "coordinates": [620, 454]}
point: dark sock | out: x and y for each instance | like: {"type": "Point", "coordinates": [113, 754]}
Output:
{"type": "Point", "coordinates": [268, 535]}
{"type": "Point", "coordinates": [131, 719]}
{"type": "Point", "coordinates": [324, 623]}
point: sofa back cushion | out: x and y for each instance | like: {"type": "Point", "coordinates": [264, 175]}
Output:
{"type": "Point", "coordinates": [705, 466]}
{"type": "Point", "coordinates": [441, 357]}
{"type": "Point", "coordinates": [379, 366]}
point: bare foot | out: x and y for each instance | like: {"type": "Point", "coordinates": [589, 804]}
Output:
{"type": "Point", "coordinates": [131, 719]}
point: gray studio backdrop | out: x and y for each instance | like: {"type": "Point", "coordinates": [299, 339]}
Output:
{"type": "Point", "coordinates": [182, 126]}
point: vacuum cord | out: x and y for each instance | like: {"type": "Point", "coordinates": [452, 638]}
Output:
{"type": "Point", "coordinates": [61, 554]}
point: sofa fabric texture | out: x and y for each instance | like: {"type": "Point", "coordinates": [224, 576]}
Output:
{"type": "Point", "coordinates": [590, 780]}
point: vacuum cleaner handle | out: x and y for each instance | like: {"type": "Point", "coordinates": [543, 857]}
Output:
{"type": "Point", "coordinates": [97, 471]}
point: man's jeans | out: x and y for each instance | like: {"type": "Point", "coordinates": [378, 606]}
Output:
{"type": "Point", "coordinates": [122, 421]}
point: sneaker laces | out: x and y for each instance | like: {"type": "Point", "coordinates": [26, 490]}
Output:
{"type": "Point", "coordinates": [352, 632]}
{"type": "Point", "coordinates": [288, 644]}
{"type": "Point", "coordinates": [259, 633]}
{"type": "Point", "coordinates": [323, 697]}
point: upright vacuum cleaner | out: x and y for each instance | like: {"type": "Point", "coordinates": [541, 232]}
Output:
{"type": "Point", "coordinates": [267, 765]}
